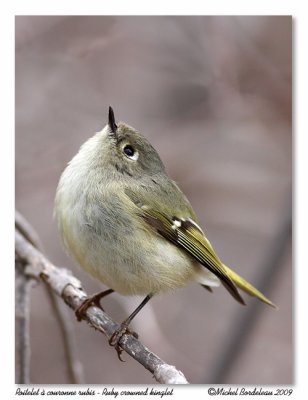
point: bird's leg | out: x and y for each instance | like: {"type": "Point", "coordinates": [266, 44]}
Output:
{"type": "Point", "coordinates": [89, 301]}
{"type": "Point", "coordinates": [123, 329]}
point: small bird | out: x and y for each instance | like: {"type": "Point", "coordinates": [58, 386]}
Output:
{"type": "Point", "coordinates": [129, 225]}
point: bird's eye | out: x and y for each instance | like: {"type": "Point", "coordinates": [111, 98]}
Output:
{"type": "Point", "coordinates": [130, 152]}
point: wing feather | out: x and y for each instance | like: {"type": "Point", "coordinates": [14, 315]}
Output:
{"type": "Point", "coordinates": [186, 236]}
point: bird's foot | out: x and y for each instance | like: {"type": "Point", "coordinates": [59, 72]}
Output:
{"type": "Point", "coordinates": [117, 336]}
{"type": "Point", "coordinates": [89, 301]}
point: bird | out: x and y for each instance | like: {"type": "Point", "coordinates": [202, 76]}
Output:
{"type": "Point", "coordinates": [128, 224]}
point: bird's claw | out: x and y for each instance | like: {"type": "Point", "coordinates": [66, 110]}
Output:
{"type": "Point", "coordinates": [117, 336]}
{"type": "Point", "coordinates": [89, 301]}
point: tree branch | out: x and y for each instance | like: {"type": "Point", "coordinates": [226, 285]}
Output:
{"type": "Point", "coordinates": [73, 365]}
{"type": "Point", "coordinates": [22, 324]}
{"type": "Point", "coordinates": [23, 226]}
{"type": "Point", "coordinates": [65, 285]}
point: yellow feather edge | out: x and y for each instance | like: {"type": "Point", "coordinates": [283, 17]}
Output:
{"type": "Point", "coordinates": [247, 287]}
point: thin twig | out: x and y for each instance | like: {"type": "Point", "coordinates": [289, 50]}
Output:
{"type": "Point", "coordinates": [65, 285]}
{"type": "Point", "coordinates": [73, 365]}
{"type": "Point", "coordinates": [22, 324]}
{"type": "Point", "coordinates": [26, 229]}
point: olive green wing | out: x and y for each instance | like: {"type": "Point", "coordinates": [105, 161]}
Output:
{"type": "Point", "coordinates": [182, 231]}
{"type": "Point", "coordinates": [188, 236]}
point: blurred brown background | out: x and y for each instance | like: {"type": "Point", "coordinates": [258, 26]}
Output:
{"type": "Point", "coordinates": [214, 96]}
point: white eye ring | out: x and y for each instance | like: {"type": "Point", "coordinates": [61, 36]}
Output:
{"type": "Point", "coordinates": [130, 152]}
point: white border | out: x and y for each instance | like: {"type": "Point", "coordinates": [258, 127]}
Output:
{"type": "Point", "coordinates": [157, 7]}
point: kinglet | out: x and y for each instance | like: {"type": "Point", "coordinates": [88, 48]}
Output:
{"type": "Point", "coordinates": [129, 225]}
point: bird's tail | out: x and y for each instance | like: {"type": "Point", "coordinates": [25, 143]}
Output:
{"type": "Point", "coordinates": [247, 287]}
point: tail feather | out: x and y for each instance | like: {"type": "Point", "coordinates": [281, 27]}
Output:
{"type": "Point", "coordinates": [247, 287]}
